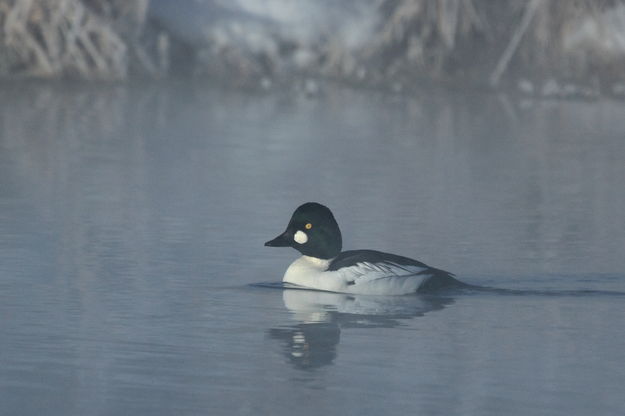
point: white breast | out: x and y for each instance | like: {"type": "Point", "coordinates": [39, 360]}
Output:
{"type": "Point", "coordinates": [311, 272]}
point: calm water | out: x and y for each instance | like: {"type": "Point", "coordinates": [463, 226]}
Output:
{"type": "Point", "coordinates": [132, 223]}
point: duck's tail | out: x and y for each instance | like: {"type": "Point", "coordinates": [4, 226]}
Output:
{"type": "Point", "coordinates": [440, 280]}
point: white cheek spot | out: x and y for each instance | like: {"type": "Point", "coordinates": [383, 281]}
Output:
{"type": "Point", "coordinates": [300, 237]}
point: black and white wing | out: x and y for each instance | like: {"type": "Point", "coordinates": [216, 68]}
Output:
{"type": "Point", "coordinates": [360, 267]}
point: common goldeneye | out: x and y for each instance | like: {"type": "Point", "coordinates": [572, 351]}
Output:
{"type": "Point", "coordinates": [314, 232]}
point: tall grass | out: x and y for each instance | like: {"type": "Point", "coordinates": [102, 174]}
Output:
{"type": "Point", "coordinates": [81, 38]}
{"type": "Point", "coordinates": [481, 41]}
{"type": "Point", "coordinates": [488, 41]}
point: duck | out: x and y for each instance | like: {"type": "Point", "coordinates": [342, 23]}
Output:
{"type": "Point", "coordinates": [314, 232]}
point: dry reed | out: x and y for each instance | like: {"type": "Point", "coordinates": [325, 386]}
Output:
{"type": "Point", "coordinates": [481, 41]}
{"type": "Point", "coordinates": [52, 38]}
{"type": "Point", "coordinates": [487, 41]}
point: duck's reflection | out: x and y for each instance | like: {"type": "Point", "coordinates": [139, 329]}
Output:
{"type": "Point", "coordinates": [320, 316]}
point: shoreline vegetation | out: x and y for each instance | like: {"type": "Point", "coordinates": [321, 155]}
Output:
{"type": "Point", "coordinates": [549, 48]}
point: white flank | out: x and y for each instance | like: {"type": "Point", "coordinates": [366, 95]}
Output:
{"type": "Point", "coordinates": [363, 278]}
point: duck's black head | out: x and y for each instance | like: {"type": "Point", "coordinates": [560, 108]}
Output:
{"type": "Point", "coordinates": [312, 231]}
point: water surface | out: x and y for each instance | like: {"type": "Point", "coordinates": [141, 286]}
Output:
{"type": "Point", "coordinates": [132, 223]}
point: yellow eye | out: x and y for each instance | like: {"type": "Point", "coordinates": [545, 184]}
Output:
{"type": "Point", "coordinates": [308, 226]}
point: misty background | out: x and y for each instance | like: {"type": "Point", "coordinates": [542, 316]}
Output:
{"type": "Point", "coordinates": [541, 47]}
